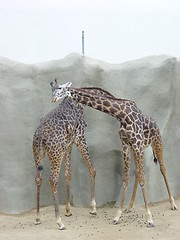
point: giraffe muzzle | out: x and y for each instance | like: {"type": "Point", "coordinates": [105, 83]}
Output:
{"type": "Point", "coordinates": [54, 99]}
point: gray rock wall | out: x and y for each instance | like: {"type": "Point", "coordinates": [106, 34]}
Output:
{"type": "Point", "coordinates": [153, 82]}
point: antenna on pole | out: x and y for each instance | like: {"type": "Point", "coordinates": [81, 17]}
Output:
{"type": "Point", "coordinates": [82, 42]}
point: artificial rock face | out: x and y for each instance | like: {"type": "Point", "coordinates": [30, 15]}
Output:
{"type": "Point", "coordinates": [152, 82]}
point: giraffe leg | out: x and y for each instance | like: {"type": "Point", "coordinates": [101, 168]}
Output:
{"type": "Point", "coordinates": [53, 181]}
{"type": "Point", "coordinates": [159, 155]}
{"type": "Point", "coordinates": [126, 153]}
{"type": "Point", "coordinates": [135, 186]}
{"type": "Point", "coordinates": [68, 179]}
{"type": "Point", "coordinates": [38, 178]}
{"type": "Point", "coordinates": [134, 192]}
{"type": "Point", "coordinates": [148, 213]}
{"type": "Point", "coordinates": [142, 183]}
{"type": "Point", "coordinates": [82, 145]}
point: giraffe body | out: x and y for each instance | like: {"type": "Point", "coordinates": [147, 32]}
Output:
{"type": "Point", "coordinates": [55, 135]}
{"type": "Point", "coordinates": [137, 131]}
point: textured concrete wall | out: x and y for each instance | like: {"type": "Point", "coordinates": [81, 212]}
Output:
{"type": "Point", "coordinates": [25, 94]}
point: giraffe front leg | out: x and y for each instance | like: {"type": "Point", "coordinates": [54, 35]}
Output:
{"type": "Point", "coordinates": [93, 202]}
{"type": "Point", "coordinates": [142, 183]}
{"type": "Point", "coordinates": [126, 153]}
{"type": "Point", "coordinates": [68, 205]}
{"type": "Point", "coordinates": [131, 204]}
{"type": "Point", "coordinates": [82, 145]}
{"type": "Point", "coordinates": [150, 222]}
{"type": "Point", "coordinates": [135, 186]}
{"type": "Point", "coordinates": [120, 210]}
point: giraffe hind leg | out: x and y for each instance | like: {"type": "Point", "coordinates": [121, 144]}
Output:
{"type": "Point", "coordinates": [82, 145]}
{"type": "Point", "coordinates": [159, 155]}
{"type": "Point", "coordinates": [155, 159]}
{"type": "Point", "coordinates": [38, 178]}
{"type": "Point", "coordinates": [38, 183]}
{"type": "Point", "coordinates": [68, 179]}
{"type": "Point", "coordinates": [126, 153]}
{"type": "Point", "coordinates": [53, 181]}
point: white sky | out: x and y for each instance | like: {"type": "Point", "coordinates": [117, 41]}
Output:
{"type": "Point", "coordinates": [115, 30]}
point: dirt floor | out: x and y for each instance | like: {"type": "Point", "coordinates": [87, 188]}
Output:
{"type": "Point", "coordinates": [81, 225]}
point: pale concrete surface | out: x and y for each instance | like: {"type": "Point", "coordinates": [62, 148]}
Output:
{"type": "Point", "coordinates": [81, 225]}
{"type": "Point", "coordinates": [25, 94]}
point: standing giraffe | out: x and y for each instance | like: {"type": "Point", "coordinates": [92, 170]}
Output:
{"type": "Point", "coordinates": [55, 135]}
{"type": "Point", "coordinates": [137, 131]}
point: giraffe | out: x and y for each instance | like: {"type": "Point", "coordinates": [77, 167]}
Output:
{"type": "Point", "coordinates": [137, 132]}
{"type": "Point", "coordinates": [55, 135]}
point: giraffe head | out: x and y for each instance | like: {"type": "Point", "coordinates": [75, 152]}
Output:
{"type": "Point", "coordinates": [60, 90]}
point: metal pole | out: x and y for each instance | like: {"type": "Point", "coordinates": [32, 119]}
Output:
{"type": "Point", "coordinates": [82, 42]}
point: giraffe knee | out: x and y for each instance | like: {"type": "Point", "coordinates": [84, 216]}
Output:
{"type": "Point", "coordinates": [126, 180]}
{"type": "Point", "coordinates": [163, 169]}
{"type": "Point", "coordinates": [142, 184]}
{"type": "Point", "coordinates": [67, 176]}
{"type": "Point", "coordinates": [38, 181]}
{"type": "Point", "coordinates": [93, 172]}
{"type": "Point", "coordinates": [53, 184]}
{"type": "Point", "coordinates": [125, 183]}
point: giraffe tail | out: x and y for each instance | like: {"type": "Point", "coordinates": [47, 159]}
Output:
{"type": "Point", "coordinates": [40, 164]}
{"type": "Point", "coordinates": [155, 159]}
{"type": "Point", "coordinates": [40, 168]}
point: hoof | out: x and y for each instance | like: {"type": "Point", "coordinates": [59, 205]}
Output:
{"type": "Point", "coordinates": [150, 225]}
{"type": "Point", "coordinates": [62, 227]}
{"type": "Point", "coordinates": [68, 214]}
{"type": "Point", "coordinates": [127, 210]}
{"type": "Point", "coordinates": [37, 222]}
{"type": "Point", "coordinates": [93, 213]}
{"type": "Point", "coordinates": [115, 222]}
{"type": "Point", "coordinates": [174, 207]}
{"type": "Point", "coordinates": [173, 204]}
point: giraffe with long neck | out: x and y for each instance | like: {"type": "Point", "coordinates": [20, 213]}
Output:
{"type": "Point", "coordinates": [55, 135]}
{"type": "Point", "coordinates": [137, 131]}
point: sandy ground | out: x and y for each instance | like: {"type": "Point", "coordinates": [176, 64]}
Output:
{"type": "Point", "coordinates": [81, 225]}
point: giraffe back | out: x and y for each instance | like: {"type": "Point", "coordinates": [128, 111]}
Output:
{"type": "Point", "coordinates": [59, 128]}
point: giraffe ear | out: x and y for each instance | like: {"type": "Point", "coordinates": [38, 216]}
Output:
{"type": "Point", "coordinates": [68, 84]}
{"type": "Point", "coordinates": [68, 93]}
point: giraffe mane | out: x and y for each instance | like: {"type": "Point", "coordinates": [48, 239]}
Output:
{"type": "Point", "coordinates": [100, 89]}
{"type": "Point", "coordinates": [109, 95]}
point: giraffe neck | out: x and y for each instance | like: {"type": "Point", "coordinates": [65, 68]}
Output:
{"type": "Point", "coordinates": [105, 102]}
{"type": "Point", "coordinates": [103, 93]}
{"type": "Point", "coordinates": [97, 91]}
